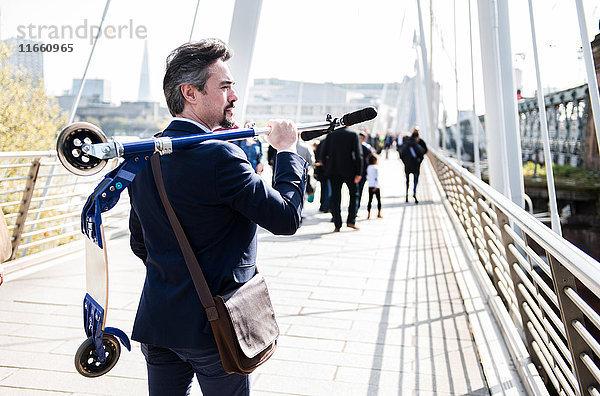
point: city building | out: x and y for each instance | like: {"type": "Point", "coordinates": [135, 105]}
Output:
{"type": "Point", "coordinates": [23, 57]}
{"type": "Point", "coordinates": [140, 118]}
{"type": "Point", "coordinates": [95, 92]}
{"type": "Point", "coordinates": [308, 102]}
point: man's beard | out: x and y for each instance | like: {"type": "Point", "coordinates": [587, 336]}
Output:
{"type": "Point", "coordinates": [227, 121]}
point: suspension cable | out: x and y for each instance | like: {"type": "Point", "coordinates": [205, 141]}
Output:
{"type": "Point", "coordinates": [194, 22]}
{"type": "Point", "coordinates": [544, 127]}
{"type": "Point", "coordinates": [78, 97]}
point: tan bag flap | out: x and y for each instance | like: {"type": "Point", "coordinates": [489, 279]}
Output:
{"type": "Point", "coordinates": [252, 316]}
{"type": "Point", "coordinates": [5, 245]}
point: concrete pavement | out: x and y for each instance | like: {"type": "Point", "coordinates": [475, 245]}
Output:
{"type": "Point", "coordinates": [371, 312]}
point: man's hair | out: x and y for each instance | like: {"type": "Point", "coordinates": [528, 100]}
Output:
{"type": "Point", "coordinates": [415, 133]}
{"type": "Point", "coordinates": [188, 64]}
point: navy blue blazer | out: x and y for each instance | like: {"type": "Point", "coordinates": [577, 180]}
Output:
{"type": "Point", "coordinates": [219, 200]}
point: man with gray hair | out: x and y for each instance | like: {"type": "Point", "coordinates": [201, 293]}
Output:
{"type": "Point", "coordinates": [219, 201]}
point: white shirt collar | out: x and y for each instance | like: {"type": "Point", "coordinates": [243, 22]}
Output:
{"type": "Point", "coordinates": [205, 129]}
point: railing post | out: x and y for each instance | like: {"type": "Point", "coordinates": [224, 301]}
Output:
{"type": "Point", "coordinates": [470, 225]}
{"type": "Point", "coordinates": [480, 210]}
{"type": "Point", "coordinates": [512, 260]}
{"type": "Point", "coordinates": [24, 208]}
{"type": "Point", "coordinates": [569, 313]}
{"type": "Point", "coordinates": [449, 184]}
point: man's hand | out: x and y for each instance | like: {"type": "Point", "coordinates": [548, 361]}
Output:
{"type": "Point", "coordinates": [357, 178]}
{"type": "Point", "coordinates": [259, 168]}
{"type": "Point", "coordinates": [283, 135]}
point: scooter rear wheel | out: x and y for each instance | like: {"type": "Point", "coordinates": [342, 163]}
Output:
{"type": "Point", "coordinates": [86, 358]}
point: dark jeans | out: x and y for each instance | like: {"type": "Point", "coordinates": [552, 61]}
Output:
{"type": "Point", "coordinates": [171, 370]}
{"type": "Point", "coordinates": [374, 191]}
{"type": "Point", "coordinates": [416, 180]}
{"type": "Point", "coordinates": [361, 186]}
{"type": "Point", "coordinates": [336, 200]}
{"type": "Point", "coordinates": [325, 194]}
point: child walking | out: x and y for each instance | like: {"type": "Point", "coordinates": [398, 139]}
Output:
{"type": "Point", "coordinates": [373, 181]}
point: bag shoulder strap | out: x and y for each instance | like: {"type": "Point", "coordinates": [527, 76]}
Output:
{"type": "Point", "coordinates": [190, 258]}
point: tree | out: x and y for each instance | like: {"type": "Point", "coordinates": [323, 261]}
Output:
{"type": "Point", "coordinates": [29, 119]}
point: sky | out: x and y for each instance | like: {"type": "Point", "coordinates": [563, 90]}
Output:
{"type": "Point", "coordinates": [340, 41]}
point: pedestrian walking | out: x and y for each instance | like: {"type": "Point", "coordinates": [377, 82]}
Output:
{"type": "Point", "coordinates": [322, 179]}
{"type": "Point", "coordinates": [306, 152]}
{"type": "Point", "coordinates": [342, 158]}
{"type": "Point", "coordinates": [374, 189]}
{"type": "Point", "coordinates": [367, 152]}
{"type": "Point", "coordinates": [411, 153]}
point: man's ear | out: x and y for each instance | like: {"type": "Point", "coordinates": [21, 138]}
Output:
{"type": "Point", "coordinates": [190, 93]}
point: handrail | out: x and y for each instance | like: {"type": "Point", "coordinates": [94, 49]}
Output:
{"type": "Point", "coordinates": [27, 154]}
{"type": "Point", "coordinates": [576, 260]}
{"type": "Point", "coordinates": [549, 287]}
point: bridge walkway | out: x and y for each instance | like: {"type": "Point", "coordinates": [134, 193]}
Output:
{"type": "Point", "coordinates": [389, 309]}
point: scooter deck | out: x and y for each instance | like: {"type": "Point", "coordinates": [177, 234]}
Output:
{"type": "Point", "coordinates": [96, 272]}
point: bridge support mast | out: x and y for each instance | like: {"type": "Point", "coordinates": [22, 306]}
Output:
{"type": "Point", "coordinates": [505, 169]}
{"type": "Point", "coordinates": [431, 138]}
{"type": "Point", "coordinates": [242, 36]}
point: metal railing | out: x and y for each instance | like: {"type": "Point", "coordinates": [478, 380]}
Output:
{"type": "Point", "coordinates": [42, 202]}
{"type": "Point", "coordinates": [548, 287]}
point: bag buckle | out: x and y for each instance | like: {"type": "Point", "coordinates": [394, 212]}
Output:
{"type": "Point", "coordinates": [212, 313]}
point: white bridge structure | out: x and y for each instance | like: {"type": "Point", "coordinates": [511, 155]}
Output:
{"type": "Point", "coordinates": [541, 293]}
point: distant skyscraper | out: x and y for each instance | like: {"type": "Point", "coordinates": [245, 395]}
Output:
{"type": "Point", "coordinates": [31, 62]}
{"type": "Point", "coordinates": [96, 90]}
{"type": "Point", "coordinates": [144, 89]}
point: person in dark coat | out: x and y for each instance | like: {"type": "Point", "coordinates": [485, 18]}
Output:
{"type": "Point", "coordinates": [342, 160]}
{"type": "Point", "coordinates": [320, 176]}
{"type": "Point", "coordinates": [220, 201]}
{"type": "Point", "coordinates": [411, 153]}
{"type": "Point", "coordinates": [271, 158]}
{"type": "Point", "coordinates": [367, 152]}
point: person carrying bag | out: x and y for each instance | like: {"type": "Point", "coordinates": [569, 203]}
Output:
{"type": "Point", "coordinates": [204, 311]}
{"type": "Point", "coordinates": [243, 321]}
